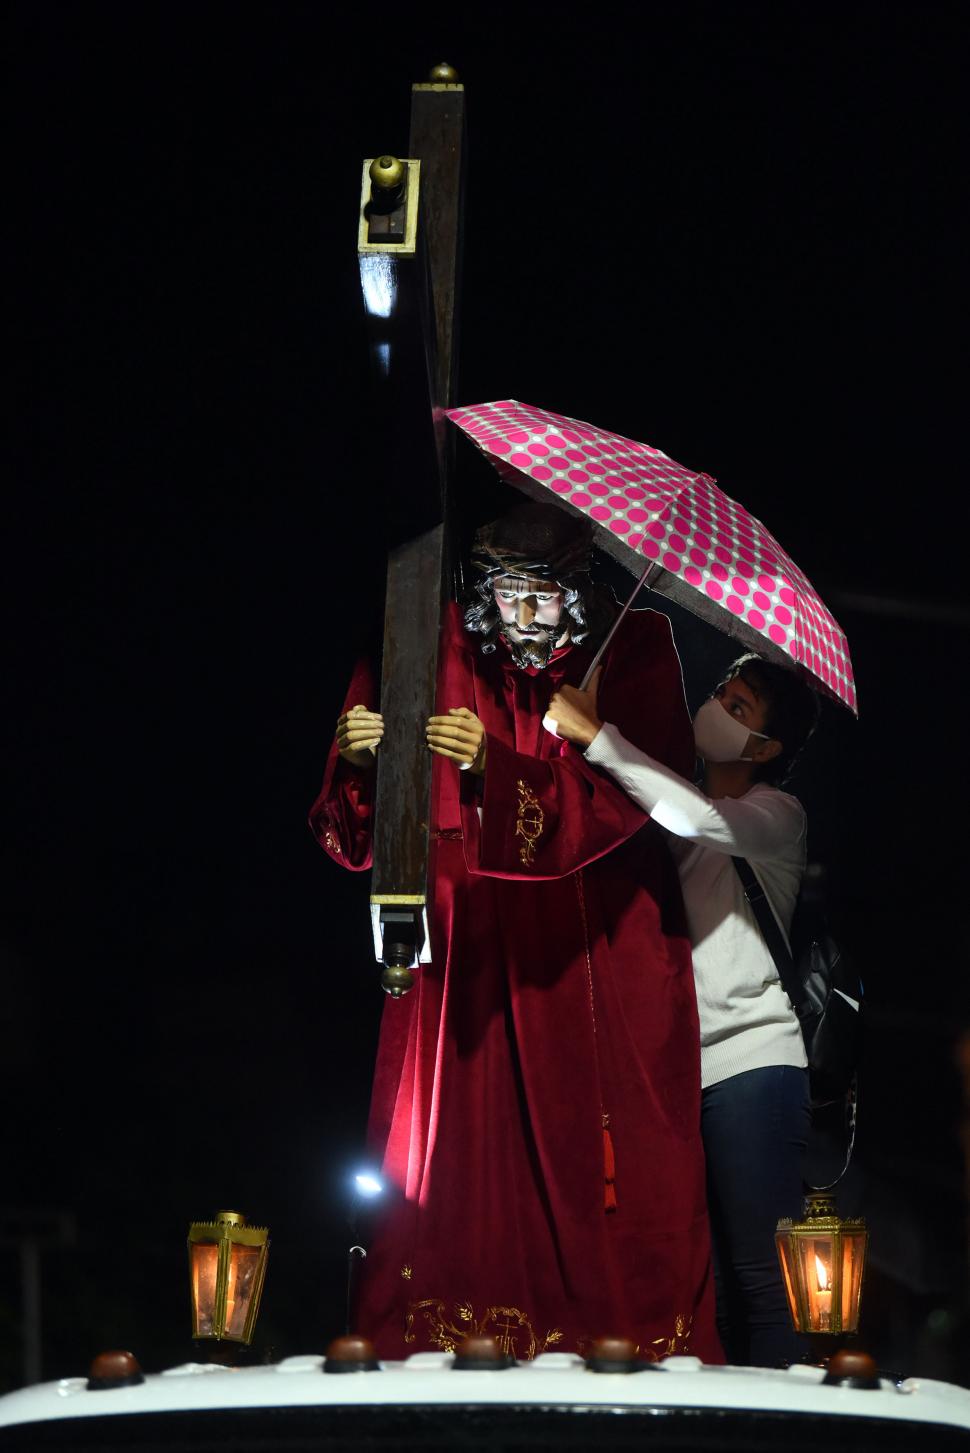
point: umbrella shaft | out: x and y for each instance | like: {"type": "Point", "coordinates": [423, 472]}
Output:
{"type": "Point", "coordinates": [650, 573]}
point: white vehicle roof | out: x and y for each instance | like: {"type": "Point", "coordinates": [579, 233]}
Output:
{"type": "Point", "coordinates": [554, 1380]}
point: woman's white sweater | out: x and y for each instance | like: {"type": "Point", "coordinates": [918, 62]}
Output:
{"type": "Point", "coordinates": [746, 1019]}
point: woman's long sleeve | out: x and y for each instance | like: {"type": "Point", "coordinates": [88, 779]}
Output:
{"type": "Point", "coordinates": [757, 826]}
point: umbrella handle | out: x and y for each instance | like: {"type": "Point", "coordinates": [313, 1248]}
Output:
{"type": "Point", "coordinates": [649, 574]}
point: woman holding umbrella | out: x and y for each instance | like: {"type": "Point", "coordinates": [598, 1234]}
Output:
{"type": "Point", "coordinates": [755, 1101]}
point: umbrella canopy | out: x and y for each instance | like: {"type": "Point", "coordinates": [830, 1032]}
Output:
{"type": "Point", "coordinates": [710, 554]}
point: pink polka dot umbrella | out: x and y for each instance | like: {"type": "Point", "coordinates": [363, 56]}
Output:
{"type": "Point", "coordinates": [707, 552]}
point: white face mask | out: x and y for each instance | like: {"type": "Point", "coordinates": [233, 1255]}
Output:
{"type": "Point", "coordinates": [719, 736]}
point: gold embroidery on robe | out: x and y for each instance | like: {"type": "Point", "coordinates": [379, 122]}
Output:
{"type": "Point", "coordinates": [531, 820]}
{"type": "Point", "coordinates": [512, 1329]}
{"type": "Point", "coordinates": [675, 1346]}
{"type": "Point", "coordinates": [406, 1272]}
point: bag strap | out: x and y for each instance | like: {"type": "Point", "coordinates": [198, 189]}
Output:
{"type": "Point", "coordinates": [851, 1116]}
{"type": "Point", "coordinates": [780, 952]}
{"type": "Point", "coordinates": [771, 933]}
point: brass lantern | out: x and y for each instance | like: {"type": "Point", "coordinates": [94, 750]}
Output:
{"type": "Point", "coordinates": [822, 1262]}
{"type": "Point", "coordinates": [227, 1267]}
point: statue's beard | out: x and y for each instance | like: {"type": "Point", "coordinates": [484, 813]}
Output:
{"type": "Point", "coordinates": [535, 651]}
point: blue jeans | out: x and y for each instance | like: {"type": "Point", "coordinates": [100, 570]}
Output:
{"type": "Point", "coordinates": [755, 1128]}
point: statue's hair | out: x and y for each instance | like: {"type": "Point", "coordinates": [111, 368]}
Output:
{"type": "Point", "coordinates": [541, 542]}
{"type": "Point", "coordinates": [535, 539]}
{"type": "Point", "coordinates": [590, 608]}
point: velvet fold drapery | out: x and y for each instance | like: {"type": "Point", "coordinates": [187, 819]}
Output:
{"type": "Point", "coordinates": [559, 1005]}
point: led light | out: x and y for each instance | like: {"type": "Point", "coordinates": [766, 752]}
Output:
{"type": "Point", "coordinates": [379, 282]}
{"type": "Point", "coordinates": [368, 1184]}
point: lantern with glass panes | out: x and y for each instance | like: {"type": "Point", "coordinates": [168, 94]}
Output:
{"type": "Point", "coordinates": [822, 1263]}
{"type": "Point", "coordinates": [227, 1267]}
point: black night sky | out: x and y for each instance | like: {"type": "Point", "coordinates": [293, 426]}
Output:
{"type": "Point", "coordinates": [733, 230]}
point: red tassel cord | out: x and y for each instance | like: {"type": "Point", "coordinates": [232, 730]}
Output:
{"type": "Point", "coordinates": [609, 1166]}
{"type": "Point", "coordinates": [609, 1161]}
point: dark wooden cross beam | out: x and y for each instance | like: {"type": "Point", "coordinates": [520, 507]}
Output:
{"type": "Point", "coordinates": [409, 247]}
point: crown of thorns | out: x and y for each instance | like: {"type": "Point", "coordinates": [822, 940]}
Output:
{"type": "Point", "coordinates": [534, 539]}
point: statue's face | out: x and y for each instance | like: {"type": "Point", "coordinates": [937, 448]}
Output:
{"type": "Point", "coordinates": [531, 612]}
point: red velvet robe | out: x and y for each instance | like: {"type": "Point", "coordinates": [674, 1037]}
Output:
{"type": "Point", "coordinates": [560, 998]}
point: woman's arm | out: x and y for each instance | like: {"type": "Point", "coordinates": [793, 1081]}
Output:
{"type": "Point", "coordinates": [758, 829]}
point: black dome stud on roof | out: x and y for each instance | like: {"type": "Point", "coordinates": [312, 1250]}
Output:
{"type": "Point", "coordinates": [481, 1354]}
{"type": "Point", "coordinates": [114, 1369]}
{"type": "Point", "coordinates": [850, 1368]}
{"type": "Point", "coordinates": [615, 1354]}
{"type": "Point", "coordinates": [351, 1354]}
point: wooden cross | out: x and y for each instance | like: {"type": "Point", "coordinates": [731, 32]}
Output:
{"type": "Point", "coordinates": [409, 249]}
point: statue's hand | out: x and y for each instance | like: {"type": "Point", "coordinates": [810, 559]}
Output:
{"type": "Point", "coordinates": [572, 713]}
{"type": "Point", "coordinates": [460, 736]}
{"type": "Point", "coordinates": [359, 734]}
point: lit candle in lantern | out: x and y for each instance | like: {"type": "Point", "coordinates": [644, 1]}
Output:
{"type": "Point", "coordinates": [822, 1260]}
{"type": "Point", "coordinates": [823, 1294]}
{"type": "Point", "coordinates": [227, 1264]}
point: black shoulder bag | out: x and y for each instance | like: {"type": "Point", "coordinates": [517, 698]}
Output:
{"type": "Point", "coordinates": [825, 993]}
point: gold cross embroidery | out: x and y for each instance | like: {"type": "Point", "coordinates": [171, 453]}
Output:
{"type": "Point", "coordinates": [530, 821]}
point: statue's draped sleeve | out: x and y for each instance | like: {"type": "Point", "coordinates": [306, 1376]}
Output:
{"type": "Point", "coordinates": [550, 1012]}
{"type": "Point", "coordinates": [538, 816]}
{"type": "Point", "coordinates": [542, 819]}
{"type": "Point", "coordinates": [341, 818]}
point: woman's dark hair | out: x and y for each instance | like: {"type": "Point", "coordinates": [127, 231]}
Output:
{"type": "Point", "coordinates": [791, 710]}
